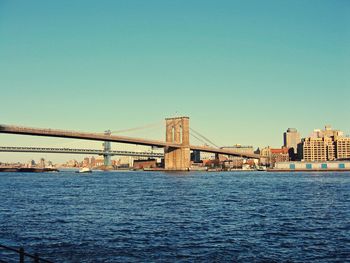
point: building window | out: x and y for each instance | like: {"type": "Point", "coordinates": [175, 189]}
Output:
{"type": "Point", "coordinates": [308, 166]}
{"type": "Point", "coordinates": [341, 166]}
{"type": "Point", "coordinates": [324, 166]}
{"type": "Point", "coordinates": [292, 166]}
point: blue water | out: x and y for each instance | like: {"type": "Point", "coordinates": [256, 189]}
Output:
{"type": "Point", "coordinates": [183, 217]}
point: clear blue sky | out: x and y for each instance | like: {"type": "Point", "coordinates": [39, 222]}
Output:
{"type": "Point", "coordinates": [243, 71]}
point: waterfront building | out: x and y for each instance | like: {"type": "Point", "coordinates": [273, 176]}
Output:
{"type": "Point", "coordinates": [257, 151]}
{"type": "Point", "coordinates": [144, 163]}
{"type": "Point", "coordinates": [72, 163]}
{"type": "Point", "coordinates": [233, 164]}
{"type": "Point", "coordinates": [325, 145]}
{"type": "Point", "coordinates": [204, 156]}
{"type": "Point", "coordinates": [317, 149]}
{"type": "Point", "coordinates": [196, 156]}
{"type": "Point", "coordinates": [244, 149]}
{"type": "Point", "coordinates": [291, 139]}
{"type": "Point", "coordinates": [269, 156]}
{"type": "Point", "coordinates": [280, 155]}
{"type": "Point", "coordinates": [343, 148]}
{"type": "Point", "coordinates": [265, 156]}
{"type": "Point", "coordinates": [31, 163]}
{"type": "Point", "coordinates": [42, 163]}
{"type": "Point", "coordinates": [99, 161]}
{"type": "Point", "coordinates": [86, 162]}
{"type": "Point", "coordinates": [92, 161]}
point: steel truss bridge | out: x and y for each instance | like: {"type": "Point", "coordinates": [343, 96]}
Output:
{"type": "Point", "coordinates": [80, 151]}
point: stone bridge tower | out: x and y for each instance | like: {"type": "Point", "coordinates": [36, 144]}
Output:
{"type": "Point", "coordinates": [177, 131]}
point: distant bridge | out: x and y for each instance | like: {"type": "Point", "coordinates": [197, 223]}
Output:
{"type": "Point", "coordinates": [112, 138]}
{"type": "Point", "coordinates": [80, 151]}
{"type": "Point", "coordinates": [176, 146]}
{"type": "Point", "coordinates": [83, 135]}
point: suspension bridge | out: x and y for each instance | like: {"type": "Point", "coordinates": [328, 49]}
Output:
{"type": "Point", "coordinates": [176, 146]}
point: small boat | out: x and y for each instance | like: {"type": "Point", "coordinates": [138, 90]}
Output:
{"type": "Point", "coordinates": [261, 168]}
{"type": "Point", "coordinates": [85, 170]}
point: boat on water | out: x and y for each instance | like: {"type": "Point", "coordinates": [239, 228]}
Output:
{"type": "Point", "coordinates": [85, 170]}
{"type": "Point", "coordinates": [261, 168]}
{"type": "Point", "coordinates": [27, 170]}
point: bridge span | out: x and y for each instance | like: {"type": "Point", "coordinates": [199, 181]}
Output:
{"type": "Point", "coordinates": [176, 146]}
{"type": "Point", "coordinates": [224, 151]}
{"type": "Point", "coordinates": [11, 129]}
{"type": "Point", "coordinates": [80, 151]}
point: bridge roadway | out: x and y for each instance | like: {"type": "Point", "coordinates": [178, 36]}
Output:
{"type": "Point", "coordinates": [10, 129]}
{"type": "Point", "coordinates": [79, 151]}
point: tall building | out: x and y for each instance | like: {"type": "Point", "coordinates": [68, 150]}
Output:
{"type": "Point", "coordinates": [196, 156]}
{"type": "Point", "coordinates": [42, 163]}
{"type": "Point", "coordinates": [318, 149]}
{"type": "Point", "coordinates": [291, 139]}
{"type": "Point", "coordinates": [327, 132]}
{"type": "Point", "coordinates": [342, 147]}
{"type": "Point", "coordinates": [325, 145]}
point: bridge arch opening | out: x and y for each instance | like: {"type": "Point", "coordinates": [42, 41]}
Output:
{"type": "Point", "coordinates": [173, 134]}
{"type": "Point", "coordinates": [181, 133]}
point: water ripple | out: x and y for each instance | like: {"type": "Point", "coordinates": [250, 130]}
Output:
{"type": "Point", "coordinates": [183, 217]}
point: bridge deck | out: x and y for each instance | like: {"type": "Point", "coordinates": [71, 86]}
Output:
{"type": "Point", "coordinates": [10, 129]}
{"type": "Point", "coordinates": [224, 151]}
{"type": "Point", "coordinates": [79, 151]}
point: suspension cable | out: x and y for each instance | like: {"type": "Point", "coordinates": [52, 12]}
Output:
{"type": "Point", "coordinates": [199, 139]}
{"type": "Point", "coordinates": [205, 138]}
{"type": "Point", "coordinates": [139, 128]}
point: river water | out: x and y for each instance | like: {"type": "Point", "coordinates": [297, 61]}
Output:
{"type": "Point", "coordinates": [182, 217]}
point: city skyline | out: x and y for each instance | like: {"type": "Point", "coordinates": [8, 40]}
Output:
{"type": "Point", "coordinates": [98, 145]}
{"type": "Point", "coordinates": [91, 67]}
